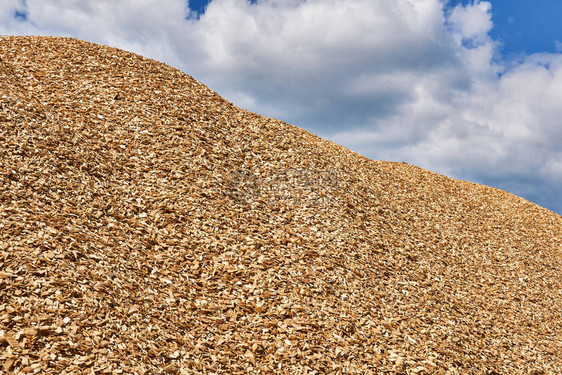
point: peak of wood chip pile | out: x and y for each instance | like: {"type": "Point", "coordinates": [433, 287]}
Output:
{"type": "Point", "coordinates": [148, 226]}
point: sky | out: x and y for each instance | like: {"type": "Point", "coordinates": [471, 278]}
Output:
{"type": "Point", "coordinates": [470, 89]}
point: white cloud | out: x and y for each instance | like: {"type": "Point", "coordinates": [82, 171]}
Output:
{"type": "Point", "coordinates": [472, 23]}
{"type": "Point", "coordinates": [8, 19]}
{"type": "Point", "coordinates": [452, 104]}
{"type": "Point", "coordinates": [315, 57]}
{"type": "Point", "coordinates": [503, 132]}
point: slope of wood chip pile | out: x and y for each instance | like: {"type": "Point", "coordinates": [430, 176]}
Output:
{"type": "Point", "coordinates": [148, 226]}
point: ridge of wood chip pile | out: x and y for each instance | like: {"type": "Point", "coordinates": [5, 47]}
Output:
{"type": "Point", "coordinates": [148, 226]}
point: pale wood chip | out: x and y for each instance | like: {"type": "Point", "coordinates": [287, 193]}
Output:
{"type": "Point", "coordinates": [149, 226]}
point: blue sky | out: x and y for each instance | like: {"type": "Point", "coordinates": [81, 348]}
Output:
{"type": "Point", "coordinates": [198, 6]}
{"type": "Point", "coordinates": [525, 27]}
{"type": "Point", "coordinates": [469, 89]}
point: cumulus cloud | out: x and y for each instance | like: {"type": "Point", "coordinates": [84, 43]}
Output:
{"type": "Point", "coordinates": [411, 80]}
{"type": "Point", "coordinates": [471, 23]}
{"type": "Point", "coordinates": [316, 58]}
{"type": "Point", "coordinates": [502, 129]}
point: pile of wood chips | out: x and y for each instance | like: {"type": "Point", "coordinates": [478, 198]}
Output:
{"type": "Point", "coordinates": [149, 226]}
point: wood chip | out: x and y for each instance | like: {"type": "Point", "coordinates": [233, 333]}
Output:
{"type": "Point", "coordinates": [11, 340]}
{"type": "Point", "coordinates": [30, 331]}
{"type": "Point", "coordinates": [8, 364]}
{"type": "Point", "coordinates": [149, 226]}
